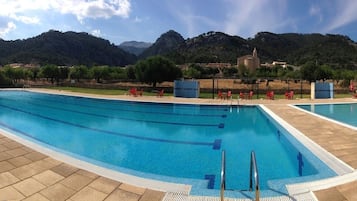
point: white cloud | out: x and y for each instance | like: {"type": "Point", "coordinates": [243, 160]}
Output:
{"type": "Point", "coordinates": [190, 18]}
{"type": "Point", "coordinates": [345, 13]}
{"type": "Point", "coordinates": [94, 9]}
{"type": "Point", "coordinates": [82, 9]}
{"type": "Point", "coordinates": [316, 11]}
{"type": "Point", "coordinates": [137, 19]}
{"type": "Point", "coordinates": [9, 27]}
{"type": "Point", "coordinates": [26, 20]}
{"type": "Point", "coordinates": [96, 32]}
{"type": "Point", "coordinates": [246, 18]}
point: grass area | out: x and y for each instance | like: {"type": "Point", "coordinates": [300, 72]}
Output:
{"type": "Point", "coordinates": [91, 91]}
{"type": "Point", "coordinates": [202, 95]}
{"type": "Point", "coordinates": [100, 91]}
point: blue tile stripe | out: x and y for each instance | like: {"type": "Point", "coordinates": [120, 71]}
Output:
{"type": "Point", "coordinates": [211, 179]}
{"type": "Point", "coordinates": [217, 144]}
{"type": "Point", "coordinates": [129, 119]}
{"type": "Point", "coordinates": [134, 111]}
{"type": "Point", "coordinates": [214, 144]}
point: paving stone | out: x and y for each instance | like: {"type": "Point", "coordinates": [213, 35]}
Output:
{"type": "Point", "coordinates": [132, 189]}
{"type": "Point", "coordinates": [24, 172]}
{"type": "Point", "coordinates": [35, 156]}
{"type": "Point", "coordinates": [19, 161]}
{"type": "Point", "coordinates": [87, 174]}
{"type": "Point", "coordinates": [16, 152]}
{"type": "Point", "coordinates": [29, 186]}
{"type": "Point", "coordinates": [10, 193]}
{"type": "Point", "coordinates": [6, 166]}
{"type": "Point", "coordinates": [57, 192]}
{"type": "Point", "coordinates": [348, 190]}
{"type": "Point", "coordinates": [151, 195]}
{"type": "Point", "coordinates": [53, 161]}
{"type": "Point", "coordinates": [7, 178]}
{"type": "Point", "coordinates": [4, 156]}
{"type": "Point", "coordinates": [48, 177]}
{"type": "Point", "coordinates": [329, 194]}
{"type": "Point", "coordinates": [3, 148]}
{"type": "Point", "coordinates": [64, 169]}
{"type": "Point", "coordinates": [76, 181]}
{"type": "Point", "coordinates": [104, 185]}
{"type": "Point", "coordinates": [119, 194]}
{"type": "Point", "coordinates": [13, 145]}
{"type": "Point", "coordinates": [36, 197]}
{"type": "Point", "coordinates": [89, 194]}
{"type": "Point", "coordinates": [41, 165]}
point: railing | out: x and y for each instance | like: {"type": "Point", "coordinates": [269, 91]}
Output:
{"type": "Point", "coordinates": [254, 169]}
{"type": "Point", "coordinates": [223, 174]}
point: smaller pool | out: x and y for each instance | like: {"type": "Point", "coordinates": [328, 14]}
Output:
{"type": "Point", "coordinates": [345, 113]}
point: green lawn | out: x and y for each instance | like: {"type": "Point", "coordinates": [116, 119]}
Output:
{"type": "Point", "coordinates": [100, 91]}
{"type": "Point", "coordinates": [202, 95]}
{"type": "Point", "coordinates": [92, 91]}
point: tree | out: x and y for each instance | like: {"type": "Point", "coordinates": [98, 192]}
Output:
{"type": "Point", "coordinates": [308, 71]}
{"type": "Point", "coordinates": [311, 71]}
{"type": "Point", "coordinates": [323, 72]}
{"type": "Point", "coordinates": [4, 80]}
{"type": "Point", "coordinates": [192, 73]}
{"type": "Point", "coordinates": [50, 72]}
{"type": "Point", "coordinates": [130, 72]}
{"type": "Point", "coordinates": [229, 72]}
{"type": "Point", "coordinates": [79, 72]}
{"type": "Point", "coordinates": [100, 72]}
{"type": "Point", "coordinates": [156, 69]}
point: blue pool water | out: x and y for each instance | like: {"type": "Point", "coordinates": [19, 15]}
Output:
{"type": "Point", "coordinates": [345, 113]}
{"type": "Point", "coordinates": [161, 141]}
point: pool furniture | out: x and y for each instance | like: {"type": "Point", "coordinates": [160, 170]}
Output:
{"type": "Point", "coordinates": [289, 95]}
{"type": "Point", "coordinates": [160, 93]}
{"type": "Point", "coordinates": [270, 95]}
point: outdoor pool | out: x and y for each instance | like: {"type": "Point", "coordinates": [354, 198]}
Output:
{"type": "Point", "coordinates": [345, 113]}
{"type": "Point", "coordinates": [179, 143]}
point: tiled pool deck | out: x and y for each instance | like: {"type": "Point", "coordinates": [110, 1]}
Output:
{"type": "Point", "coordinates": [26, 174]}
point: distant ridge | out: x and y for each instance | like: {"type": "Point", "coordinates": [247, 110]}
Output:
{"type": "Point", "coordinates": [71, 48]}
{"type": "Point", "coordinates": [335, 50]}
{"type": "Point", "coordinates": [134, 47]}
{"type": "Point", "coordinates": [166, 43]}
{"type": "Point", "coordinates": [68, 48]}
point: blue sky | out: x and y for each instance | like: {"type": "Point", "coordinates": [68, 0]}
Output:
{"type": "Point", "coordinates": [146, 20]}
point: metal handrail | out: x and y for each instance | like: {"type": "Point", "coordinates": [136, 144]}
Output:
{"type": "Point", "coordinates": [223, 174]}
{"type": "Point", "coordinates": [253, 167]}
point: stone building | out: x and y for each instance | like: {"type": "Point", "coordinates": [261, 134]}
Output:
{"type": "Point", "coordinates": [251, 62]}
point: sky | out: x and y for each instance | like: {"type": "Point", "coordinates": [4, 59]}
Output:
{"type": "Point", "coordinates": [145, 20]}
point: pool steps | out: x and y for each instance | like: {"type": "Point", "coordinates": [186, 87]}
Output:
{"type": "Point", "coordinates": [253, 172]}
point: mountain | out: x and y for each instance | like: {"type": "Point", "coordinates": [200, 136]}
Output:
{"type": "Point", "coordinates": [166, 43]}
{"type": "Point", "coordinates": [134, 47]}
{"type": "Point", "coordinates": [336, 50]}
{"type": "Point", "coordinates": [212, 47]}
{"type": "Point", "coordinates": [69, 48]}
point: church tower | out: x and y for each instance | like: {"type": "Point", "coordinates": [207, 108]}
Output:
{"type": "Point", "coordinates": [255, 53]}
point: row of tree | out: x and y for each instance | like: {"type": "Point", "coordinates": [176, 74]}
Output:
{"type": "Point", "coordinates": [152, 71]}
{"type": "Point", "coordinates": [158, 69]}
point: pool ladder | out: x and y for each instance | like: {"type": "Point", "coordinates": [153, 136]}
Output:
{"type": "Point", "coordinates": [253, 172]}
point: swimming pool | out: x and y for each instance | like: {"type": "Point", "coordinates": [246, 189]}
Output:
{"type": "Point", "coordinates": [345, 113]}
{"type": "Point", "coordinates": [170, 142]}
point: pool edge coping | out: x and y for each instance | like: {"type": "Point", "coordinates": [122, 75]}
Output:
{"type": "Point", "coordinates": [344, 172]}
{"type": "Point", "coordinates": [102, 171]}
